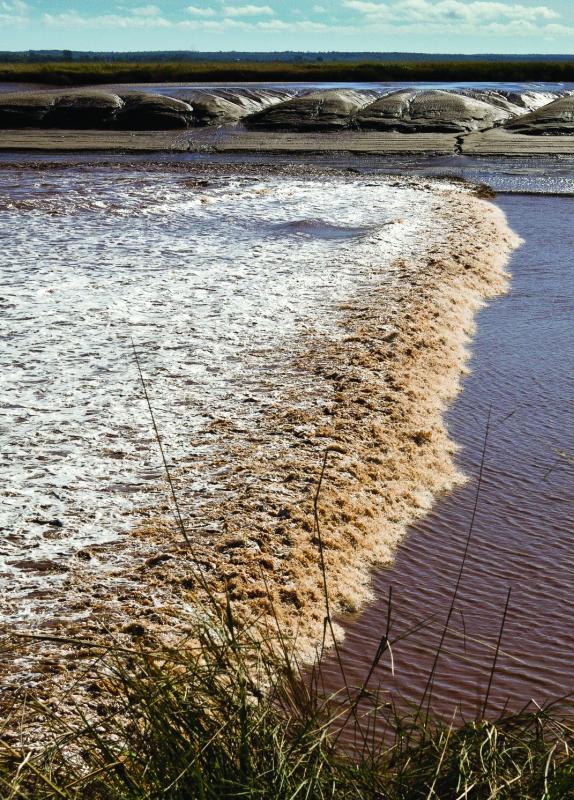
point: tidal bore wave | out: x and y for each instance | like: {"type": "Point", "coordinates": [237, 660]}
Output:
{"type": "Point", "coordinates": [259, 356]}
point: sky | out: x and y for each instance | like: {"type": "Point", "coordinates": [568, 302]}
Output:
{"type": "Point", "coordinates": [433, 26]}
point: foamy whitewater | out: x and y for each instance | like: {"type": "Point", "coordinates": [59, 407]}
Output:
{"type": "Point", "coordinates": [220, 283]}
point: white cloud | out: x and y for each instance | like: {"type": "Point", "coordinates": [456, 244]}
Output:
{"type": "Point", "coordinates": [269, 26]}
{"type": "Point", "coordinates": [453, 15]}
{"type": "Point", "coordinates": [231, 11]}
{"type": "Point", "coordinates": [149, 17]}
{"type": "Point", "coordinates": [146, 11]}
{"type": "Point", "coordinates": [558, 30]}
{"type": "Point", "coordinates": [72, 19]}
{"type": "Point", "coordinates": [13, 12]}
{"type": "Point", "coordinates": [487, 17]}
{"type": "Point", "coordinates": [277, 25]}
{"type": "Point", "coordinates": [14, 7]}
{"type": "Point", "coordinates": [247, 11]}
{"type": "Point", "coordinates": [195, 11]}
{"type": "Point", "coordinates": [302, 25]}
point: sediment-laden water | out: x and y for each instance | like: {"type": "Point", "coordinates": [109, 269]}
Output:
{"type": "Point", "coordinates": [522, 373]}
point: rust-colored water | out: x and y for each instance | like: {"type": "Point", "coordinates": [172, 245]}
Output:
{"type": "Point", "coordinates": [522, 365]}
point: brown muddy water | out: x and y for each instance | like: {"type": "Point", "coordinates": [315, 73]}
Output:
{"type": "Point", "coordinates": [522, 369]}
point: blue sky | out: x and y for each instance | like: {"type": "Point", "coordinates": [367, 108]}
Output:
{"type": "Point", "coordinates": [464, 26]}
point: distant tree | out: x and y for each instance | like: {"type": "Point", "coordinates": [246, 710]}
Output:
{"type": "Point", "coordinates": [67, 55]}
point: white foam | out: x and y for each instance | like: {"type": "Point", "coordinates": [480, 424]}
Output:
{"type": "Point", "coordinates": [218, 286]}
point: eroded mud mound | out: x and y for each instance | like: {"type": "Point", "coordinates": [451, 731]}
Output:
{"type": "Point", "coordinates": [145, 111]}
{"type": "Point", "coordinates": [553, 119]}
{"type": "Point", "coordinates": [334, 109]}
{"type": "Point", "coordinates": [405, 111]}
{"type": "Point", "coordinates": [25, 109]}
{"type": "Point", "coordinates": [131, 110]}
{"type": "Point", "coordinates": [221, 106]}
{"type": "Point", "coordinates": [410, 111]}
{"type": "Point", "coordinates": [516, 103]}
{"type": "Point", "coordinates": [94, 109]}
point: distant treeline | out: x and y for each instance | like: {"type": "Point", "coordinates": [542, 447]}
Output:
{"type": "Point", "coordinates": [287, 56]}
{"type": "Point", "coordinates": [81, 73]}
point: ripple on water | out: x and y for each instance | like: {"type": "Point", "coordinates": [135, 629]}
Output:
{"type": "Point", "coordinates": [320, 229]}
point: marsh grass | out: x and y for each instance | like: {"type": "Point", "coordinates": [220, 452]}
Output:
{"type": "Point", "coordinates": [81, 73]}
{"type": "Point", "coordinates": [231, 712]}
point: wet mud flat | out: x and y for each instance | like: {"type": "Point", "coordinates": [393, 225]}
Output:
{"type": "Point", "coordinates": [275, 319]}
{"type": "Point", "coordinates": [229, 140]}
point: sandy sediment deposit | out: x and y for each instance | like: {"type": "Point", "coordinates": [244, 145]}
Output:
{"type": "Point", "coordinates": [504, 142]}
{"type": "Point", "coordinates": [232, 140]}
{"type": "Point", "coordinates": [366, 143]}
{"type": "Point", "coordinates": [38, 139]}
{"type": "Point", "coordinates": [229, 139]}
{"type": "Point", "coordinates": [356, 353]}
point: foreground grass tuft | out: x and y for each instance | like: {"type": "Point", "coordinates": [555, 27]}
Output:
{"type": "Point", "coordinates": [227, 714]}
